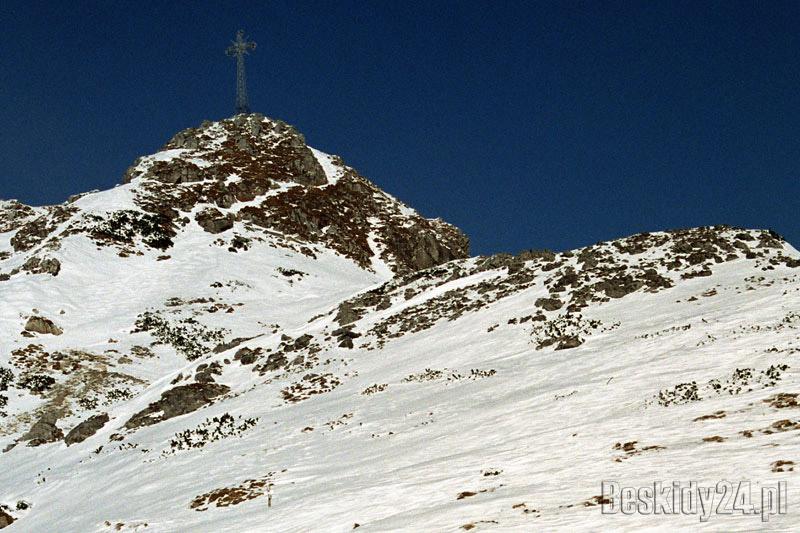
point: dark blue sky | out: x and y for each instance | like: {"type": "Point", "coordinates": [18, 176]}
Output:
{"type": "Point", "coordinates": [527, 124]}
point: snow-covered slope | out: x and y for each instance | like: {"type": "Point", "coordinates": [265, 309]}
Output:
{"type": "Point", "coordinates": [248, 336]}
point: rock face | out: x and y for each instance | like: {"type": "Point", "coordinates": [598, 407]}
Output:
{"type": "Point", "coordinates": [324, 364]}
{"type": "Point", "coordinates": [247, 178]}
{"type": "Point", "coordinates": [261, 172]}
{"type": "Point", "coordinates": [32, 232]}
{"type": "Point", "coordinates": [213, 221]}
{"type": "Point", "coordinates": [13, 214]}
{"type": "Point", "coordinates": [347, 313]}
{"type": "Point", "coordinates": [549, 304]}
{"type": "Point", "coordinates": [45, 326]}
{"type": "Point", "coordinates": [250, 146]}
{"type": "Point", "coordinates": [86, 429]}
{"type": "Point", "coordinates": [37, 265]}
{"type": "Point", "coordinates": [5, 519]}
{"type": "Point", "coordinates": [175, 402]}
{"type": "Point", "coordinates": [246, 356]}
{"type": "Point", "coordinates": [44, 431]}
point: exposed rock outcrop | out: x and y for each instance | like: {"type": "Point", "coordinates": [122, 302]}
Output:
{"type": "Point", "coordinates": [246, 356]}
{"type": "Point", "coordinates": [271, 186]}
{"type": "Point", "coordinates": [86, 429]}
{"type": "Point", "coordinates": [213, 221]}
{"type": "Point", "coordinates": [266, 165]}
{"type": "Point", "coordinates": [14, 214]}
{"type": "Point", "coordinates": [177, 401]}
{"type": "Point", "coordinates": [40, 324]}
{"type": "Point", "coordinates": [44, 431]}
{"type": "Point", "coordinates": [549, 304]}
{"type": "Point", "coordinates": [250, 146]}
{"type": "Point", "coordinates": [37, 265]}
{"type": "Point", "coordinates": [5, 519]}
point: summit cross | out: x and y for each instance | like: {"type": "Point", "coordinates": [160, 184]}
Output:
{"type": "Point", "coordinates": [238, 49]}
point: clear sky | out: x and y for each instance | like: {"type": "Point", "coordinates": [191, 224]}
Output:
{"type": "Point", "coordinates": [527, 124]}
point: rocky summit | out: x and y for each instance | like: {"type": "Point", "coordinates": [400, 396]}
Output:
{"type": "Point", "coordinates": [248, 335]}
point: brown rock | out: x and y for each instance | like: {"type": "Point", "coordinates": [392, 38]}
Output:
{"type": "Point", "coordinates": [569, 342]}
{"type": "Point", "coordinates": [177, 401]}
{"type": "Point", "coordinates": [213, 221]}
{"type": "Point", "coordinates": [45, 326]}
{"type": "Point", "coordinates": [549, 304]}
{"type": "Point", "coordinates": [44, 431]}
{"type": "Point", "coordinates": [246, 356]}
{"type": "Point", "coordinates": [5, 519]}
{"type": "Point", "coordinates": [347, 314]}
{"type": "Point", "coordinates": [37, 265]}
{"type": "Point", "coordinates": [86, 429]}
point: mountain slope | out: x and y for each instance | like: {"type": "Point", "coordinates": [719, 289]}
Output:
{"type": "Point", "coordinates": [243, 318]}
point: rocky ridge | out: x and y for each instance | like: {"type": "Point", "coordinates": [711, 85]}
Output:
{"type": "Point", "coordinates": [248, 179]}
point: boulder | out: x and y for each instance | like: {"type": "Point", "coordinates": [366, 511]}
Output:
{"type": "Point", "coordinates": [45, 326]}
{"type": "Point", "coordinates": [569, 342]}
{"type": "Point", "coordinates": [213, 221]}
{"type": "Point", "coordinates": [5, 519]}
{"type": "Point", "coordinates": [206, 372]}
{"type": "Point", "coordinates": [246, 356]}
{"type": "Point", "coordinates": [346, 343]}
{"type": "Point", "coordinates": [273, 362]}
{"type": "Point", "coordinates": [44, 431]}
{"type": "Point", "coordinates": [37, 265]}
{"type": "Point", "coordinates": [347, 313]}
{"type": "Point", "coordinates": [177, 401]}
{"type": "Point", "coordinates": [302, 342]}
{"type": "Point", "coordinates": [86, 429]}
{"type": "Point", "coordinates": [185, 139]}
{"type": "Point", "coordinates": [549, 304]}
{"type": "Point", "coordinates": [345, 336]}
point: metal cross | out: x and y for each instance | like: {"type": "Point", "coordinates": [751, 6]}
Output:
{"type": "Point", "coordinates": [238, 49]}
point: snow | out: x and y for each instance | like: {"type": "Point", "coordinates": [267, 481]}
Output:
{"type": "Point", "coordinates": [407, 452]}
{"type": "Point", "coordinates": [378, 265]}
{"type": "Point", "coordinates": [535, 427]}
{"type": "Point", "coordinates": [332, 171]}
{"type": "Point", "coordinates": [117, 199]}
{"type": "Point", "coordinates": [168, 155]}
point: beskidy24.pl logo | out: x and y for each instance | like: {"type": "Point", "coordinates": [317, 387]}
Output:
{"type": "Point", "coordinates": [722, 498]}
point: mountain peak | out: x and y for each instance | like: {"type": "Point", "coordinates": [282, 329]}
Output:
{"type": "Point", "coordinates": [246, 294]}
{"type": "Point", "coordinates": [247, 179]}
{"type": "Point", "coordinates": [255, 148]}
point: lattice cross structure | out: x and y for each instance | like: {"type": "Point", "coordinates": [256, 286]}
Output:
{"type": "Point", "coordinates": [238, 49]}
